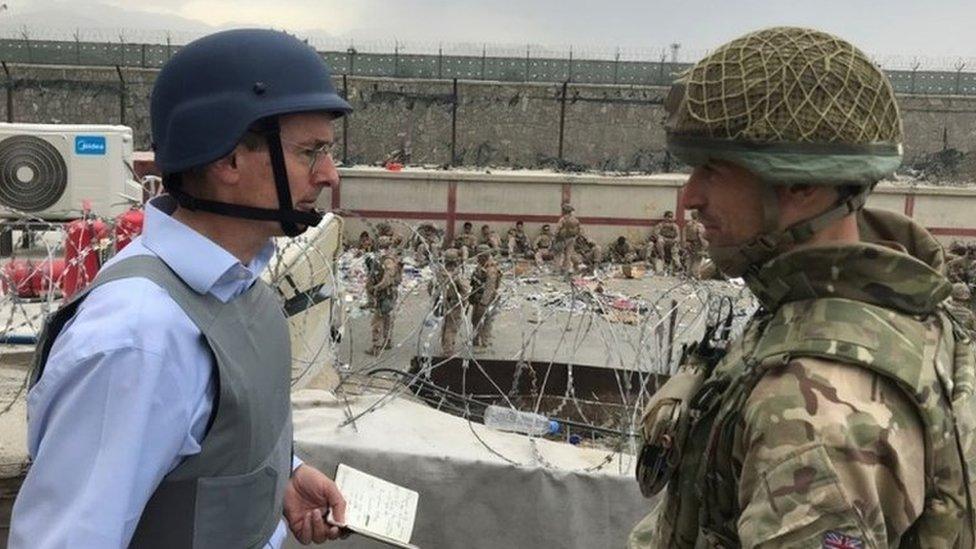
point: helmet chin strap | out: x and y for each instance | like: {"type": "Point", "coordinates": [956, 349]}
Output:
{"type": "Point", "coordinates": [746, 259]}
{"type": "Point", "coordinates": [293, 222]}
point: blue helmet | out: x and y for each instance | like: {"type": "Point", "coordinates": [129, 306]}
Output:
{"type": "Point", "coordinates": [215, 88]}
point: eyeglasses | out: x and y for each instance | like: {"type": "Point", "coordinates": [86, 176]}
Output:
{"type": "Point", "coordinates": [312, 154]}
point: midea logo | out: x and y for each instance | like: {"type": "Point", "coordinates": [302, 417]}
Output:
{"type": "Point", "coordinates": [90, 144]}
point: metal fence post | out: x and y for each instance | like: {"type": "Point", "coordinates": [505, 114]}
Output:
{"type": "Point", "coordinates": [526, 62]}
{"type": "Point", "coordinates": [569, 75]}
{"type": "Point", "coordinates": [9, 84]}
{"type": "Point", "coordinates": [562, 117]}
{"type": "Point", "coordinates": [616, 65]}
{"type": "Point", "coordinates": [27, 43]}
{"type": "Point", "coordinates": [484, 59]}
{"type": "Point", "coordinates": [396, 58]}
{"type": "Point", "coordinates": [440, 61]}
{"type": "Point", "coordinates": [345, 122]}
{"type": "Point", "coordinates": [454, 105]}
{"type": "Point", "coordinates": [118, 71]}
{"type": "Point", "coordinates": [959, 67]}
{"type": "Point", "coordinates": [78, 46]}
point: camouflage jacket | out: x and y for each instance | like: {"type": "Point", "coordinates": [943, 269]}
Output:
{"type": "Point", "coordinates": [695, 235]}
{"type": "Point", "coordinates": [384, 279]}
{"type": "Point", "coordinates": [667, 230]}
{"type": "Point", "coordinates": [485, 281]}
{"type": "Point", "coordinates": [844, 414]}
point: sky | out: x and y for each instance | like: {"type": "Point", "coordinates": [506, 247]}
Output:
{"type": "Point", "coordinates": [940, 31]}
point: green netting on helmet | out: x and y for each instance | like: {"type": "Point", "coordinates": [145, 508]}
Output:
{"type": "Point", "coordinates": [794, 105]}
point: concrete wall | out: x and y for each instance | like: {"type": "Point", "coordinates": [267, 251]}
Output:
{"type": "Point", "coordinates": [608, 206]}
{"type": "Point", "coordinates": [595, 127]}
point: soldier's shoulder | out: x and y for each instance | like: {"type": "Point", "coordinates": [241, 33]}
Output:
{"type": "Point", "coordinates": [811, 399]}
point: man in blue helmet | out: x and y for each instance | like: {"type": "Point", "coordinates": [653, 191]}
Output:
{"type": "Point", "coordinates": [159, 410]}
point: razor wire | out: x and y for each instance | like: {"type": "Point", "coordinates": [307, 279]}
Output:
{"type": "Point", "coordinates": [556, 320]}
{"type": "Point", "coordinates": [573, 304]}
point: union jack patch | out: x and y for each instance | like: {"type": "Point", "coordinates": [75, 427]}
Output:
{"type": "Point", "coordinates": [836, 540]}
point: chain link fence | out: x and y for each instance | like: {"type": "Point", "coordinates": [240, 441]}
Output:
{"type": "Point", "coordinates": [494, 62]}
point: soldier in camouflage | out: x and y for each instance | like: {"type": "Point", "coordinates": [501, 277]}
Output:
{"type": "Point", "coordinates": [382, 287]}
{"type": "Point", "coordinates": [466, 242]}
{"type": "Point", "coordinates": [667, 236]}
{"type": "Point", "coordinates": [567, 230]}
{"type": "Point", "coordinates": [961, 307]}
{"type": "Point", "coordinates": [543, 246]}
{"type": "Point", "coordinates": [450, 292]}
{"type": "Point", "coordinates": [696, 244]}
{"type": "Point", "coordinates": [518, 242]}
{"type": "Point", "coordinates": [844, 415]}
{"type": "Point", "coordinates": [623, 254]}
{"type": "Point", "coordinates": [485, 281]}
{"type": "Point", "coordinates": [963, 268]}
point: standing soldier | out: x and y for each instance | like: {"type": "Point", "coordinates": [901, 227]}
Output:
{"type": "Point", "coordinates": [426, 244]}
{"type": "Point", "coordinates": [667, 244]}
{"type": "Point", "coordinates": [567, 229]}
{"type": "Point", "coordinates": [543, 246]}
{"type": "Point", "coordinates": [837, 419]}
{"type": "Point", "coordinates": [382, 287]}
{"type": "Point", "coordinates": [518, 242]}
{"type": "Point", "coordinates": [485, 281]}
{"type": "Point", "coordinates": [450, 293]}
{"type": "Point", "coordinates": [695, 243]}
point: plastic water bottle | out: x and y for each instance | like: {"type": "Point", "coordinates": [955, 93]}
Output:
{"type": "Point", "coordinates": [507, 419]}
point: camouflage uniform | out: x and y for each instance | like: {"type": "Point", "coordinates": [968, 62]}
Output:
{"type": "Point", "coordinates": [622, 253]}
{"type": "Point", "coordinates": [815, 413]}
{"type": "Point", "coordinates": [567, 230]}
{"type": "Point", "coordinates": [490, 238]}
{"type": "Point", "coordinates": [518, 244]}
{"type": "Point", "coordinates": [961, 307]}
{"type": "Point", "coordinates": [845, 415]}
{"type": "Point", "coordinates": [696, 244]}
{"type": "Point", "coordinates": [543, 246]}
{"type": "Point", "coordinates": [383, 283]}
{"type": "Point", "coordinates": [450, 291]}
{"type": "Point", "coordinates": [365, 244]}
{"type": "Point", "coordinates": [588, 252]}
{"type": "Point", "coordinates": [666, 243]}
{"type": "Point", "coordinates": [466, 242]}
{"type": "Point", "coordinates": [485, 281]}
{"type": "Point", "coordinates": [963, 268]}
{"type": "Point", "coordinates": [426, 244]}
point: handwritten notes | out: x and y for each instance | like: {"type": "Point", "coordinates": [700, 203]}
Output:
{"type": "Point", "coordinates": [377, 508]}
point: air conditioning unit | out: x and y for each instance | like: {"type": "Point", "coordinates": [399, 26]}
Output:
{"type": "Point", "coordinates": [53, 171]}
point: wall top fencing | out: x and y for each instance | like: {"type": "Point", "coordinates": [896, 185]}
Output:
{"type": "Point", "coordinates": [674, 180]}
{"type": "Point", "coordinates": [539, 67]}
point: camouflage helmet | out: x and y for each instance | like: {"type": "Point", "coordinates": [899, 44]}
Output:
{"type": "Point", "coordinates": [384, 242]}
{"type": "Point", "coordinates": [960, 291]}
{"type": "Point", "coordinates": [451, 256]}
{"type": "Point", "coordinates": [568, 208]}
{"type": "Point", "coordinates": [791, 105]}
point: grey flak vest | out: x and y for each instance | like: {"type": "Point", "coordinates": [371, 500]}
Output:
{"type": "Point", "coordinates": [230, 494]}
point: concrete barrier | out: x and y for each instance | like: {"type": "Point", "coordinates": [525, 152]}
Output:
{"type": "Point", "coordinates": [607, 205]}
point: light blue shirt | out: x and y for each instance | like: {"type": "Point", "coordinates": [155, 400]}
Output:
{"type": "Point", "coordinates": [126, 395]}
